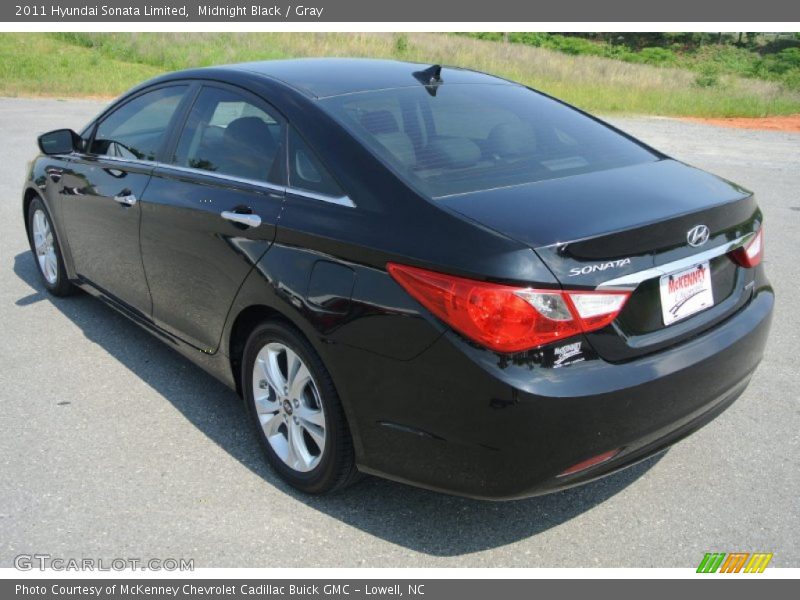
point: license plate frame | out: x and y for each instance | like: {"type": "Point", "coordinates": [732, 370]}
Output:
{"type": "Point", "coordinates": [685, 293]}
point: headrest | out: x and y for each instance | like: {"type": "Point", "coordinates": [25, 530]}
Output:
{"type": "Point", "coordinates": [451, 153]}
{"type": "Point", "coordinates": [512, 139]}
{"type": "Point", "coordinates": [379, 122]}
{"type": "Point", "coordinates": [251, 131]}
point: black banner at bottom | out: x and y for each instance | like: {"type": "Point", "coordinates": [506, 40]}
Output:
{"type": "Point", "coordinates": [366, 589]}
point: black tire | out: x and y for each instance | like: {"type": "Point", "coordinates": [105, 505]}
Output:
{"type": "Point", "coordinates": [62, 285]}
{"type": "Point", "coordinates": [336, 466]}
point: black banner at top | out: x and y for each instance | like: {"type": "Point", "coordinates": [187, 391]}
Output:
{"type": "Point", "coordinates": [459, 11]}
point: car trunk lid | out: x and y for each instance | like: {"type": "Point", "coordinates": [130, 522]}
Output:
{"type": "Point", "coordinates": [625, 229]}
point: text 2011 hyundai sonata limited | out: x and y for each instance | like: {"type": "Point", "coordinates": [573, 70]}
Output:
{"type": "Point", "coordinates": [425, 273]}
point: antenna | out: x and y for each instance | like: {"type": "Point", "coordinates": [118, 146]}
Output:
{"type": "Point", "coordinates": [431, 78]}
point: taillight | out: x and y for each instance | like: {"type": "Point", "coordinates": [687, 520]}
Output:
{"type": "Point", "coordinates": [507, 318]}
{"type": "Point", "coordinates": [750, 255]}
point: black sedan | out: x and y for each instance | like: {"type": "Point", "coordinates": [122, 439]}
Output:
{"type": "Point", "coordinates": [424, 273]}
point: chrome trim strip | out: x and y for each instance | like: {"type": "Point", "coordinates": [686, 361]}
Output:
{"type": "Point", "coordinates": [120, 159]}
{"type": "Point", "coordinates": [633, 279]}
{"type": "Point", "coordinates": [340, 200]}
{"type": "Point", "coordinates": [264, 184]}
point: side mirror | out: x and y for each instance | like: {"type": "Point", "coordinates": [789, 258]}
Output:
{"type": "Point", "coordinates": [60, 141]}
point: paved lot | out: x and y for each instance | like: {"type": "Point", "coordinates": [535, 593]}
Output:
{"type": "Point", "coordinates": [113, 446]}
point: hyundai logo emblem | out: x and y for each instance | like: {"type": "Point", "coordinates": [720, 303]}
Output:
{"type": "Point", "coordinates": [698, 235]}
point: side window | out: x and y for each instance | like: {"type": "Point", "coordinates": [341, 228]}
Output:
{"type": "Point", "coordinates": [227, 134]}
{"type": "Point", "coordinates": [137, 129]}
{"type": "Point", "coordinates": [306, 171]}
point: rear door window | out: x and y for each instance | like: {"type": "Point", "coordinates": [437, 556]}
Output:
{"type": "Point", "coordinates": [137, 130]}
{"type": "Point", "coordinates": [230, 134]}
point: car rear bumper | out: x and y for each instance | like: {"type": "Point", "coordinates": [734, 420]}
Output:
{"type": "Point", "coordinates": [465, 420]}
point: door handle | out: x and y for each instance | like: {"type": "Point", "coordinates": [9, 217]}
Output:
{"type": "Point", "coordinates": [126, 199]}
{"type": "Point", "coordinates": [248, 220]}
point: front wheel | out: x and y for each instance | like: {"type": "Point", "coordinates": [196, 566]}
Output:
{"type": "Point", "coordinates": [295, 410]}
{"type": "Point", "coordinates": [46, 250]}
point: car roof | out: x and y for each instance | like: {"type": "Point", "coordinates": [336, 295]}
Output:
{"type": "Point", "coordinates": [323, 77]}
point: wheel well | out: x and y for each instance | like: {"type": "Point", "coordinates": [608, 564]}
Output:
{"type": "Point", "coordinates": [245, 323]}
{"type": "Point", "coordinates": [26, 202]}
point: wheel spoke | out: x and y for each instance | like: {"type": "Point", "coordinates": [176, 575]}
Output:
{"type": "Point", "coordinates": [50, 264]}
{"type": "Point", "coordinates": [291, 454]}
{"type": "Point", "coordinates": [293, 363]}
{"type": "Point", "coordinates": [264, 404]}
{"type": "Point", "coordinates": [272, 371]}
{"type": "Point", "coordinates": [298, 382]}
{"type": "Point", "coordinates": [38, 230]}
{"type": "Point", "coordinates": [317, 434]}
{"type": "Point", "coordinates": [311, 415]}
{"type": "Point", "coordinates": [270, 423]}
{"type": "Point", "coordinates": [297, 447]}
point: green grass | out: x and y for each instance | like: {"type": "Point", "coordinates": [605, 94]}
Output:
{"type": "Point", "coordinates": [80, 64]}
{"type": "Point", "coordinates": [36, 64]}
{"type": "Point", "coordinates": [757, 57]}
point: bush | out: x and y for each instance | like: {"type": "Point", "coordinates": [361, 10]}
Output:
{"type": "Point", "coordinates": [792, 80]}
{"type": "Point", "coordinates": [401, 44]}
{"type": "Point", "coordinates": [657, 56]}
{"type": "Point", "coordinates": [707, 77]}
{"type": "Point", "coordinates": [790, 56]}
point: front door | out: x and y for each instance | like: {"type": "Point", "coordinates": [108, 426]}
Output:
{"type": "Point", "coordinates": [101, 192]}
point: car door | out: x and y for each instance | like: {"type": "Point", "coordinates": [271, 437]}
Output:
{"type": "Point", "coordinates": [101, 188]}
{"type": "Point", "coordinates": [211, 213]}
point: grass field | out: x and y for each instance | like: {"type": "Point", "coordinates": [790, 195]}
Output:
{"type": "Point", "coordinates": [79, 64]}
{"type": "Point", "coordinates": [772, 57]}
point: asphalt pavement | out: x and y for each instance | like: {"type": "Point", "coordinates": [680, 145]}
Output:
{"type": "Point", "coordinates": [113, 446]}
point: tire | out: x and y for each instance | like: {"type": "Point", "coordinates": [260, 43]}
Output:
{"type": "Point", "coordinates": [46, 250]}
{"type": "Point", "coordinates": [289, 423]}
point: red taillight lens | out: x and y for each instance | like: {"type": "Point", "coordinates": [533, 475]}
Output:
{"type": "Point", "coordinates": [750, 255]}
{"type": "Point", "coordinates": [507, 318]}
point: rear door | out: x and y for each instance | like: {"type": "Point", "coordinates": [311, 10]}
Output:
{"type": "Point", "coordinates": [210, 211]}
{"type": "Point", "coordinates": [101, 189]}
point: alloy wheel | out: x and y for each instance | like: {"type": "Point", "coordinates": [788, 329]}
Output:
{"type": "Point", "coordinates": [288, 405]}
{"type": "Point", "coordinates": [44, 244]}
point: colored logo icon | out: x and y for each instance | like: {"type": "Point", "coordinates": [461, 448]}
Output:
{"type": "Point", "coordinates": [734, 562]}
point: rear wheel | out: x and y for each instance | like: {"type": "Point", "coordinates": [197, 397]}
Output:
{"type": "Point", "coordinates": [46, 250]}
{"type": "Point", "coordinates": [295, 410]}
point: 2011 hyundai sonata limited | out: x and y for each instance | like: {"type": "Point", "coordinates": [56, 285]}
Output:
{"type": "Point", "coordinates": [425, 273]}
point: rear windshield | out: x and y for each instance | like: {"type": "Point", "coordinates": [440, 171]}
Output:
{"type": "Point", "coordinates": [468, 138]}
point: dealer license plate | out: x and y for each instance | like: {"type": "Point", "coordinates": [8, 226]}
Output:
{"type": "Point", "coordinates": [685, 293]}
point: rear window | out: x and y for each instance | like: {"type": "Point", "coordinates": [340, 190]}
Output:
{"type": "Point", "coordinates": [468, 138]}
